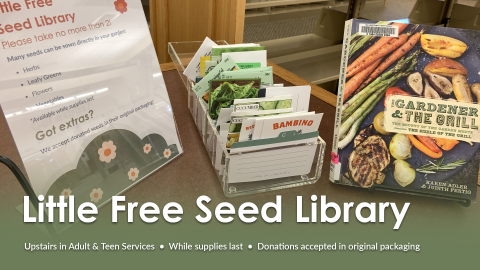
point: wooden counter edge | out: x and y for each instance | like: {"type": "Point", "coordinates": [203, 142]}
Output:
{"type": "Point", "coordinates": [167, 66]}
{"type": "Point", "coordinates": [317, 91]}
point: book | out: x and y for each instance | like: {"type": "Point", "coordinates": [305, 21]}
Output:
{"type": "Point", "coordinates": [407, 116]}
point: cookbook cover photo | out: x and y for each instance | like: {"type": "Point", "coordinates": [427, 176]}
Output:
{"type": "Point", "coordinates": [407, 113]}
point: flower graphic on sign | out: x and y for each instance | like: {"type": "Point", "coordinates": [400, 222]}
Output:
{"type": "Point", "coordinates": [107, 152]}
{"type": "Point", "coordinates": [133, 174]}
{"type": "Point", "coordinates": [66, 192]}
{"type": "Point", "coordinates": [121, 6]}
{"type": "Point", "coordinates": [96, 195]}
{"type": "Point", "coordinates": [167, 153]}
{"type": "Point", "coordinates": [147, 148]}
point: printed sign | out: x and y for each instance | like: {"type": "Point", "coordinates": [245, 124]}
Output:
{"type": "Point", "coordinates": [84, 97]}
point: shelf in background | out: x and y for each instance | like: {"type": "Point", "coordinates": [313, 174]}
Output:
{"type": "Point", "coordinates": [269, 11]}
{"type": "Point", "coordinates": [317, 66]}
{"type": "Point", "coordinates": [315, 56]}
{"type": "Point", "coordinates": [267, 4]}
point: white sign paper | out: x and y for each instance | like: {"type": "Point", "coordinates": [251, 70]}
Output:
{"type": "Point", "coordinates": [84, 96]}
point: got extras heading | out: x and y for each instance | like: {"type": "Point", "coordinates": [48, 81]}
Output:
{"type": "Point", "coordinates": [223, 212]}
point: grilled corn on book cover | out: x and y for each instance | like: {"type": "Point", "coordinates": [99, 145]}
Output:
{"type": "Point", "coordinates": [407, 112]}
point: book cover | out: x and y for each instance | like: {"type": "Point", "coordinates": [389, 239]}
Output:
{"type": "Point", "coordinates": [407, 118]}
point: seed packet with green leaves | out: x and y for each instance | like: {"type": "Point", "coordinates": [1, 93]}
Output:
{"type": "Point", "coordinates": [203, 86]}
{"type": "Point", "coordinates": [224, 92]}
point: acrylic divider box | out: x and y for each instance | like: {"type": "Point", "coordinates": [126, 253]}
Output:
{"type": "Point", "coordinates": [236, 176]}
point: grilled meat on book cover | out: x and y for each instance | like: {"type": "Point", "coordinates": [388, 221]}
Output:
{"type": "Point", "coordinates": [386, 61]}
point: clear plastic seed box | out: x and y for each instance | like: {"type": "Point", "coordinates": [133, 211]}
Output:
{"type": "Point", "coordinates": [229, 167]}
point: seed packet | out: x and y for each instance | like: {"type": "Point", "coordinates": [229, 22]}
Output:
{"type": "Point", "coordinates": [203, 86]}
{"type": "Point", "coordinates": [217, 51]}
{"type": "Point", "coordinates": [247, 60]}
{"type": "Point", "coordinates": [260, 104]}
{"type": "Point", "coordinates": [252, 127]}
{"type": "Point", "coordinates": [301, 95]}
{"type": "Point", "coordinates": [210, 66]}
{"type": "Point", "coordinates": [193, 68]}
{"type": "Point", "coordinates": [302, 124]}
{"type": "Point", "coordinates": [224, 92]}
{"type": "Point", "coordinates": [264, 73]}
{"type": "Point", "coordinates": [203, 59]}
{"type": "Point", "coordinates": [238, 117]}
